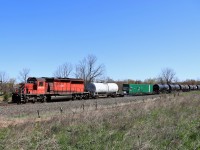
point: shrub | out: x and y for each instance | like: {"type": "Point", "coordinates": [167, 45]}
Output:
{"type": "Point", "coordinates": [6, 96]}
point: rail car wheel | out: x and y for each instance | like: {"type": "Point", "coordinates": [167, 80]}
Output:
{"type": "Point", "coordinates": [86, 97]}
{"type": "Point", "coordinates": [113, 96]}
{"type": "Point", "coordinates": [96, 97]}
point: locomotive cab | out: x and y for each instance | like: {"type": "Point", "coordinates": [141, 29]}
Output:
{"type": "Point", "coordinates": [35, 86]}
{"type": "Point", "coordinates": [33, 90]}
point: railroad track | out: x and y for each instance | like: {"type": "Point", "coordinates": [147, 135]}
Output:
{"type": "Point", "coordinates": [28, 109]}
{"type": "Point", "coordinates": [61, 100]}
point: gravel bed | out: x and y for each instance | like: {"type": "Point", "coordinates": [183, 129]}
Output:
{"type": "Point", "coordinates": [29, 109]}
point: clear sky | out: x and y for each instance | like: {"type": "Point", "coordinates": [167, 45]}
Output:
{"type": "Point", "coordinates": [134, 39]}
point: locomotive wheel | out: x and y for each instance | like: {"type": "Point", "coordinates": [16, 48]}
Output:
{"type": "Point", "coordinates": [74, 97]}
{"type": "Point", "coordinates": [86, 97]}
{"type": "Point", "coordinates": [113, 96]}
{"type": "Point", "coordinates": [34, 100]}
{"type": "Point", "coordinates": [80, 97]}
{"type": "Point", "coordinates": [48, 99]}
{"type": "Point", "coordinates": [43, 99]}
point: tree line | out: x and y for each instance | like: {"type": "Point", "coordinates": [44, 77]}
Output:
{"type": "Point", "coordinates": [86, 69]}
{"type": "Point", "coordinates": [89, 70]}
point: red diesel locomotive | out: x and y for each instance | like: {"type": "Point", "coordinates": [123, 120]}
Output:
{"type": "Point", "coordinates": [42, 89]}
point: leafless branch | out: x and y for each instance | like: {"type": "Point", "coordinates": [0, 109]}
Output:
{"type": "Point", "coordinates": [63, 71]}
{"type": "Point", "coordinates": [167, 76]}
{"type": "Point", "coordinates": [24, 74]}
{"type": "Point", "coordinates": [3, 77]}
{"type": "Point", "coordinates": [4, 80]}
{"type": "Point", "coordinates": [88, 70]}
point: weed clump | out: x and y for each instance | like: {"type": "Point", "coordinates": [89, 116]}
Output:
{"type": "Point", "coordinates": [6, 97]}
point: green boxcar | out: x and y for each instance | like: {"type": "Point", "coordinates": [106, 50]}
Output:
{"type": "Point", "coordinates": [137, 89]}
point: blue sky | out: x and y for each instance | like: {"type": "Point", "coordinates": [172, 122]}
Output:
{"type": "Point", "coordinates": [134, 39]}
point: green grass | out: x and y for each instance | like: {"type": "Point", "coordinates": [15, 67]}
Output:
{"type": "Point", "coordinates": [165, 124]}
{"type": "Point", "coordinates": [84, 137]}
{"type": "Point", "coordinates": [4, 133]}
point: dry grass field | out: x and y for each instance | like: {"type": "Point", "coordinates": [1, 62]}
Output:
{"type": "Point", "coordinates": [161, 122]}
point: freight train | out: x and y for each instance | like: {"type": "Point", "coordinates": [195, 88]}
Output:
{"type": "Point", "coordinates": [44, 89]}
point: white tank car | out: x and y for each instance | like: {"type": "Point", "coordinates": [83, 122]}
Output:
{"type": "Point", "coordinates": [102, 89]}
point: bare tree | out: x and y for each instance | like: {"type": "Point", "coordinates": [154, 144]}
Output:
{"type": "Point", "coordinates": [24, 74]}
{"type": "Point", "coordinates": [150, 81]}
{"type": "Point", "coordinates": [63, 71]}
{"type": "Point", "coordinates": [105, 79]}
{"type": "Point", "coordinates": [108, 79]}
{"type": "Point", "coordinates": [10, 84]}
{"type": "Point", "coordinates": [3, 81]}
{"type": "Point", "coordinates": [190, 81]}
{"type": "Point", "coordinates": [167, 76]}
{"type": "Point", "coordinates": [88, 70]}
{"type": "Point", "coordinates": [3, 77]}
